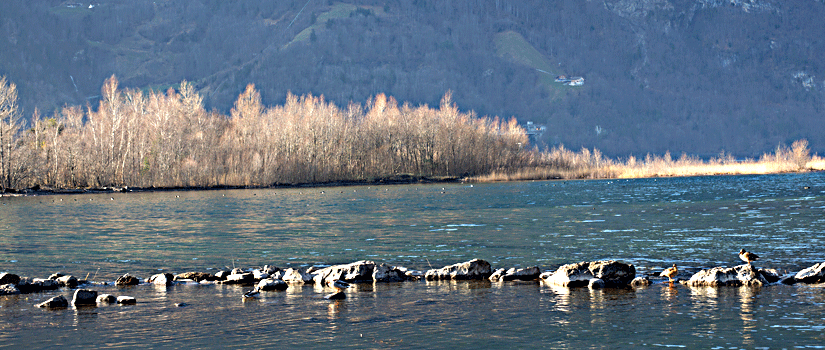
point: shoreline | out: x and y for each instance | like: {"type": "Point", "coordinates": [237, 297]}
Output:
{"type": "Point", "coordinates": [393, 180]}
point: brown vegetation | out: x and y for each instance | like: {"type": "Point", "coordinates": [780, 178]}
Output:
{"type": "Point", "coordinates": [169, 140]}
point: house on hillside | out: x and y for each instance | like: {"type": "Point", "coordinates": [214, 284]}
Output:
{"type": "Point", "coordinates": [534, 131]}
{"type": "Point", "coordinates": [570, 81]}
{"type": "Point", "coordinates": [575, 81]}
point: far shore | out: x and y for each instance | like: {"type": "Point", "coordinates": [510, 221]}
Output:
{"type": "Point", "coordinates": [817, 164]}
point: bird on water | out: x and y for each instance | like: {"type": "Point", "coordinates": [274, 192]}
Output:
{"type": "Point", "coordinates": [670, 272]}
{"type": "Point", "coordinates": [251, 294]}
{"type": "Point", "coordinates": [747, 256]}
{"type": "Point", "coordinates": [339, 286]}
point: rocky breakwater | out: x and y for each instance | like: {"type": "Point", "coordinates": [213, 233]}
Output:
{"type": "Point", "coordinates": [594, 274]}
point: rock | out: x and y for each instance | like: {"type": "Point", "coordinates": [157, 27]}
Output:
{"type": "Point", "coordinates": [269, 269]}
{"type": "Point", "coordinates": [84, 297]}
{"type": "Point", "coordinates": [359, 271]}
{"type": "Point", "coordinates": [56, 275]}
{"type": "Point", "coordinates": [240, 278]}
{"type": "Point", "coordinates": [195, 276]}
{"type": "Point", "coordinates": [512, 274]}
{"type": "Point", "coordinates": [473, 269]}
{"type": "Point", "coordinates": [161, 279]}
{"type": "Point", "coordinates": [595, 283]}
{"type": "Point", "coordinates": [9, 278]}
{"type": "Point", "coordinates": [9, 289]}
{"type": "Point", "coordinates": [742, 275]}
{"type": "Point", "coordinates": [259, 275]}
{"type": "Point", "coordinates": [613, 273]}
{"type": "Point", "coordinates": [640, 282]}
{"type": "Point", "coordinates": [386, 273]}
{"type": "Point", "coordinates": [126, 300]}
{"type": "Point", "coordinates": [789, 280]}
{"type": "Point", "coordinates": [770, 275]}
{"type": "Point", "coordinates": [813, 274]}
{"type": "Point", "coordinates": [237, 271]}
{"type": "Point", "coordinates": [221, 275]}
{"type": "Point", "coordinates": [127, 280]}
{"type": "Point", "coordinates": [67, 281]}
{"type": "Point", "coordinates": [55, 302]}
{"type": "Point", "coordinates": [36, 285]}
{"type": "Point", "coordinates": [296, 276]}
{"type": "Point", "coordinates": [271, 284]}
{"type": "Point", "coordinates": [335, 296]}
{"type": "Point", "coordinates": [106, 299]}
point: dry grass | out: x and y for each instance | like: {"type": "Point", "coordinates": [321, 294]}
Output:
{"type": "Point", "coordinates": [560, 163]}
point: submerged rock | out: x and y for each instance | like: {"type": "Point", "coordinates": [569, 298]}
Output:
{"type": "Point", "coordinates": [27, 285]}
{"type": "Point", "coordinates": [595, 283]}
{"type": "Point", "coordinates": [640, 282]}
{"type": "Point", "coordinates": [127, 280]}
{"type": "Point", "coordinates": [106, 299]}
{"type": "Point", "coordinates": [9, 289]}
{"type": "Point", "coordinates": [195, 276]}
{"type": "Point", "coordinates": [55, 302]}
{"type": "Point", "coordinates": [335, 296]}
{"type": "Point", "coordinates": [611, 272]}
{"type": "Point", "coordinates": [126, 300]}
{"type": "Point", "coordinates": [473, 269]}
{"type": "Point", "coordinates": [742, 275]}
{"type": "Point", "coordinates": [239, 278]}
{"type": "Point", "coordinates": [813, 274]}
{"type": "Point", "coordinates": [512, 274]}
{"type": "Point", "coordinates": [271, 284]}
{"type": "Point", "coordinates": [84, 297]}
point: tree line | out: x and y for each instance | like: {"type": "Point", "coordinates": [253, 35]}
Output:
{"type": "Point", "coordinates": [168, 139]}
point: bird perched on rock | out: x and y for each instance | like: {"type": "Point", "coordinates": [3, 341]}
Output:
{"type": "Point", "coordinates": [339, 286]}
{"type": "Point", "coordinates": [747, 256]}
{"type": "Point", "coordinates": [670, 272]}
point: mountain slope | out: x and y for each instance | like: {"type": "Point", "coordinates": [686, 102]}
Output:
{"type": "Point", "coordinates": [700, 76]}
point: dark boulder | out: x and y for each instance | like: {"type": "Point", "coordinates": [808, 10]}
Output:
{"type": "Point", "coordinates": [271, 284]}
{"type": "Point", "coordinates": [106, 299]}
{"type": "Point", "coordinates": [84, 297]}
{"type": "Point", "coordinates": [55, 302]}
{"type": "Point", "coordinates": [239, 278]}
{"type": "Point", "coordinates": [513, 274]}
{"type": "Point", "coordinates": [195, 276]}
{"type": "Point", "coordinates": [9, 278]}
{"type": "Point", "coordinates": [67, 281]}
{"type": "Point", "coordinates": [127, 280]}
{"type": "Point", "coordinates": [387, 273]}
{"type": "Point", "coordinates": [611, 272]}
{"type": "Point", "coordinates": [470, 270]}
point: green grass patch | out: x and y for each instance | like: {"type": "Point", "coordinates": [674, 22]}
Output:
{"type": "Point", "coordinates": [338, 10]}
{"type": "Point", "coordinates": [514, 48]}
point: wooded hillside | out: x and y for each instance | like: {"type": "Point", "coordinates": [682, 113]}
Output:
{"type": "Point", "coordinates": [692, 76]}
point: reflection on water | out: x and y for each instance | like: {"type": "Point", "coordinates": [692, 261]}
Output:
{"type": "Point", "coordinates": [651, 223]}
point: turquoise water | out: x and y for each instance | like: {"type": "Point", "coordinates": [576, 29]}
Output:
{"type": "Point", "coordinates": [695, 222]}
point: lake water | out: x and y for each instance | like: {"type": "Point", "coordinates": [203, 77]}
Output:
{"type": "Point", "coordinates": [696, 223]}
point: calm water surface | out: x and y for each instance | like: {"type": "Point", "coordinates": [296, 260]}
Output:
{"type": "Point", "coordinates": [652, 223]}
